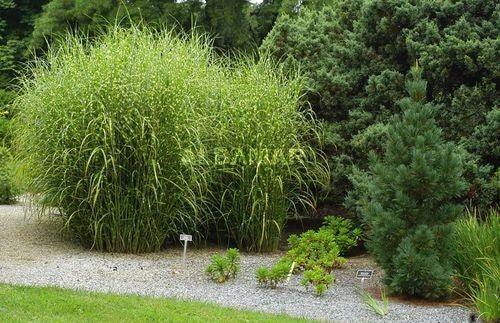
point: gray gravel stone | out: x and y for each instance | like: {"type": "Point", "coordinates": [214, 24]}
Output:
{"type": "Point", "coordinates": [33, 252]}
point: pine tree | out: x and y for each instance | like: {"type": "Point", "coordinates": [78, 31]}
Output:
{"type": "Point", "coordinates": [410, 199]}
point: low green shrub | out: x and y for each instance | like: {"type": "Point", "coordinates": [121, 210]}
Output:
{"type": "Point", "coordinates": [224, 267]}
{"type": "Point", "coordinates": [315, 253]}
{"type": "Point", "coordinates": [345, 234]}
{"type": "Point", "coordinates": [314, 249]}
{"type": "Point", "coordinates": [272, 277]}
{"type": "Point", "coordinates": [476, 259]}
{"type": "Point", "coordinates": [318, 278]}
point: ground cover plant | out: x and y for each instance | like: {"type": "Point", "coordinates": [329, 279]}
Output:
{"type": "Point", "coordinates": [277, 274]}
{"type": "Point", "coordinates": [137, 136]}
{"type": "Point", "coordinates": [345, 234]}
{"type": "Point", "coordinates": [476, 259]}
{"type": "Point", "coordinates": [409, 204]}
{"type": "Point", "coordinates": [48, 304]}
{"type": "Point", "coordinates": [318, 278]}
{"type": "Point", "coordinates": [315, 253]}
{"type": "Point", "coordinates": [224, 267]}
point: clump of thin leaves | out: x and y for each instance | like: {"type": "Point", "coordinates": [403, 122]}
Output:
{"type": "Point", "coordinates": [138, 136]}
{"type": "Point", "coordinates": [476, 259]}
{"type": "Point", "coordinates": [476, 246]}
{"type": "Point", "coordinates": [103, 125]}
{"type": "Point", "coordinates": [378, 307]}
{"type": "Point", "coordinates": [269, 168]}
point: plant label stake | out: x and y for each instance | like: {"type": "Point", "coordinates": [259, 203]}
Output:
{"type": "Point", "coordinates": [364, 274]}
{"type": "Point", "coordinates": [185, 238]}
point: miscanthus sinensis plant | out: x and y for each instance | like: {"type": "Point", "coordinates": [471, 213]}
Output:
{"type": "Point", "coordinates": [137, 136]}
{"type": "Point", "coordinates": [272, 167]}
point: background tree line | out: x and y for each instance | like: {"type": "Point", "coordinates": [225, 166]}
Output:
{"type": "Point", "coordinates": [27, 26]}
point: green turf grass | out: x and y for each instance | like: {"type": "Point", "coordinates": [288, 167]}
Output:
{"type": "Point", "coordinates": [48, 304]}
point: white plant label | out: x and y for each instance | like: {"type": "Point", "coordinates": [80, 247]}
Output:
{"type": "Point", "coordinates": [185, 238]}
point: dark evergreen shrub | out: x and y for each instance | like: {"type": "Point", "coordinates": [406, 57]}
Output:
{"type": "Point", "coordinates": [409, 203]}
{"type": "Point", "coordinates": [355, 55]}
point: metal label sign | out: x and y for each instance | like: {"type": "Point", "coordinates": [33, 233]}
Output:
{"type": "Point", "coordinates": [364, 274]}
{"type": "Point", "coordinates": [186, 237]}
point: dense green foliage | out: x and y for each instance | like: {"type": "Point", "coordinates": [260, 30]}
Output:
{"type": "Point", "coordinates": [91, 17]}
{"type": "Point", "coordinates": [228, 21]}
{"type": "Point", "coordinates": [224, 267]}
{"type": "Point", "coordinates": [316, 253]}
{"type": "Point", "coordinates": [141, 136]}
{"type": "Point", "coordinates": [49, 304]}
{"type": "Point", "coordinates": [344, 233]}
{"type": "Point", "coordinates": [233, 24]}
{"type": "Point", "coordinates": [355, 55]}
{"type": "Point", "coordinates": [409, 201]}
{"type": "Point", "coordinates": [16, 24]}
{"type": "Point", "coordinates": [292, 7]}
{"type": "Point", "coordinates": [7, 187]}
{"type": "Point", "coordinates": [476, 257]}
{"type": "Point", "coordinates": [263, 18]}
{"type": "Point", "coordinates": [272, 277]}
{"type": "Point", "coordinates": [319, 278]}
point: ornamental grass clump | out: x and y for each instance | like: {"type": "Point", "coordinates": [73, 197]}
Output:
{"type": "Point", "coordinates": [137, 136]}
{"type": "Point", "coordinates": [266, 169]}
{"type": "Point", "coordinates": [476, 258]}
{"type": "Point", "coordinates": [103, 127]}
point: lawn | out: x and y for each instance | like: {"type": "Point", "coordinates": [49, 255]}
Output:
{"type": "Point", "coordinates": [48, 304]}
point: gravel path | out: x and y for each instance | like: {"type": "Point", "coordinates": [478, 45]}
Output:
{"type": "Point", "coordinates": [34, 253]}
